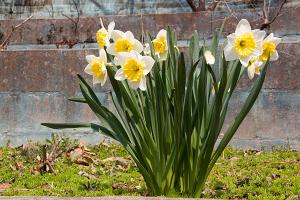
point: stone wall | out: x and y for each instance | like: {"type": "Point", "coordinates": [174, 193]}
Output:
{"type": "Point", "coordinates": [55, 8]}
{"type": "Point", "coordinates": [36, 78]}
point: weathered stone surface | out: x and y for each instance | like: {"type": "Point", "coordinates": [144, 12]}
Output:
{"type": "Point", "coordinates": [51, 31]}
{"type": "Point", "coordinates": [35, 85]}
{"type": "Point", "coordinates": [275, 115]}
{"type": "Point", "coordinates": [287, 23]}
{"type": "Point", "coordinates": [55, 70]}
{"type": "Point", "coordinates": [22, 115]}
{"type": "Point", "coordinates": [278, 115]}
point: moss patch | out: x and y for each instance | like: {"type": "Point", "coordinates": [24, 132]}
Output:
{"type": "Point", "coordinates": [237, 174]}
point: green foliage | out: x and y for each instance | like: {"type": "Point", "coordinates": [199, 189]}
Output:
{"type": "Point", "coordinates": [236, 175]}
{"type": "Point", "coordinates": [171, 129]}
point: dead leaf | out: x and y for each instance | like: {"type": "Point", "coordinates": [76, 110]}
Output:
{"type": "Point", "coordinates": [85, 174]}
{"type": "Point", "coordinates": [275, 176]}
{"type": "Point", "coordinates": [75, 154]}
{"type": "Point", "coordinates": [118, 160]}
{"type": "Point", "coordinates": [19, 165]}
{"type": "Point", "coordinates": [4, 186]}
{"type": "Point", "coordinates": [82, 162]}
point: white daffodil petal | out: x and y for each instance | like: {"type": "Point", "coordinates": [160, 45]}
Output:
{"type": "Point", "coordinates": [231, 38]}
{"type": "Point", "coordinates": [111, 49]}
{"type": "Point", "coordinates": [104, 79]}
{"type": "Point", "coordinates": [116, 34]}
{"type": "Point", "coordinates": [102, 56]}
{"type": "Point", "coordinates": [137, 46]}
{"type": "Point", "coordinates": [163, 56]}
{"type": "Point", "coordinates": [258, 35]}
{"type": "Point", "coordinates": [149, 62]}
{"type": "Point", "coordinates": [275, 56]}
{"type": "Point", "coordinates": [111, 26]}
{"type": "Point", "coordinates": [251, 71]}
{"type": "Point", "coordinates": [242, 27]}
{"type": "Point", "coordinates": [162, 33]}
{"type": "Point", "coordinates": [90, 58]}
{"type": "Point", "coordinates": [143, 85]}
{"type": "Point", "coordinates": [147, 50]}
{"type": "Point", "coordinates": [230, 53]}
{"type": "Point", "coordinates": [210, 59]}
{"type": "Point", "coordinates": [103, 30]}
{"type": "Point", "coordinates": [120, 75]}
{"type": "Point", "coordinates": [101, 22]}
{"type": "Point", "coordinates": [134, 84]}
{"type": "Point", "coordinates": [245, 61]}
{"type": "Point", "coordinates": [269, 37]}
{"type": "Point", "coordinates": [96, 80]}
{"type": "Point", "coordinates": [258, 51]}
{"type": "Point", "coordinates": [129, 35]}
{"type": "Point", "coordinates": [88, 69]}
{"type": "Point", "coordinates": [276, 40]}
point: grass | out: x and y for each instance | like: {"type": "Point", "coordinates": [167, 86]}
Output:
{"type": "Point", "coordinates": [237, 175]}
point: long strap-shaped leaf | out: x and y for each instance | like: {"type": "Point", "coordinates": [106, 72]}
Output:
{"type": "Point", "coordinates": [240, 117]}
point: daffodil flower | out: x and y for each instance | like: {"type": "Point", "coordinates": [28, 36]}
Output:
{"type": "Point", "coordinates": [134, 68]}
{"type": "Point", "coordinates": [269, 45]}
{"type": "Point", "coordinates": [103, 36]}
{"type": "Point", "coordinates": [254, 67]}
{"type": "Point", "coordinates": [123, 42]}
{"type": "Point", "coordinates": [160, 45]}
{"type": "Point", "coordinates": [244, 44]}
{"type": "Point", "coordinates": [210, 59]}
{"type": "Point", "coordinates": [97, 67]}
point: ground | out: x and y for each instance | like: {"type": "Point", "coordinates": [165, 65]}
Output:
{"type": "Point", "coordinates": [106, 169]}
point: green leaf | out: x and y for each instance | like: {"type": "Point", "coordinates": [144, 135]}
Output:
{"type": "Point", "coordinates": [241, 116]}
{"type": "Point", "coordinates": [77, 99]}
{"type": "Point", "coordinates": [66, 125]}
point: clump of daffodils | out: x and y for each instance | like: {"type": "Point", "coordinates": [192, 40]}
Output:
{"type": "Point", "coordinates": [250, 47]}
{"type": "Point", "coordinates": [171, 128]}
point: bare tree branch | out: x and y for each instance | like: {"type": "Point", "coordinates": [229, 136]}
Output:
{"type": "Point", "coordinates": [266, 14]}
{"type": "Point", "coordinates": [192, 5]}
{"type": "Point", "coordinates": [6, 40]}
{"type": "Point", "coordinates": [201, 5]}
{"type": "Point", "coordinates": [213, 5]}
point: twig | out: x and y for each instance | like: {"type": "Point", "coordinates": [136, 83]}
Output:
{"type": "Point", "coordinates": [201, 5]}
{"type": "Point", "coordinates": [230, 10]}
{"type": "Point", "coordinates": [192, 5]}
{"type": "Point", "coordinates": [6, 41]}
{"type": "Point", "coordinates": [70, 18]}
{"type": "Point", "coordinates": [213, 5]}
{"type": "Point", "coordinates": [266, 15]}
{"type": "Point", "coordinates": [76, 22]}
